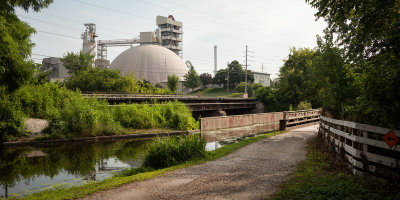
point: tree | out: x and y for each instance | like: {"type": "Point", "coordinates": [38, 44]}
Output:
{"type": "Point", "coordinates": [205, 79]}
{"type": "Point", "coordinates": [236, 75]}
{"type": "Point", "coordinates": [269, 97]}
{"type": "Point", "coordinates": [241, 88]}
{"type": "Point", "coordinates": [172, 83]}
{"type": "Point", "coordinates": [15, 43]}
{"type": "Point", "coordinates": [76, 62]}
{"type": "Point", "coordinates": [96, 79]}
{"type": "Point", "coordinates": [192, 80]}
{"type": "Point", "coordinates": [369, 33]}
{"type": "Point", "coordinates": [294, 75]}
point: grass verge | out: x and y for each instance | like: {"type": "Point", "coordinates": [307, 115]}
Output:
{"type": "Point", "coordinates": [90, 188]}
{"type": "Point", "coordinates": [322, 176]}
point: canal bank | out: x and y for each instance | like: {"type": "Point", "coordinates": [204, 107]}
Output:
{"type": "Point", "coordinates": [90, 188]}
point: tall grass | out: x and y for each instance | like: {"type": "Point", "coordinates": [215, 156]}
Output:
{"type": "Point", "coordinates": [170, 151]}
{"type": "Point", "coordinates": [173, 115]}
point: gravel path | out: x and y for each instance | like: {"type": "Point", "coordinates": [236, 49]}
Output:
{"type": "Point", "coordinates": [252, 172]}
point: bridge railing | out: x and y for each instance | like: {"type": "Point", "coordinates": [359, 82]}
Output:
{"type": "Point", "coordinates": [363, 147]}
{"type": "Point", "coordinates": [299, 117]}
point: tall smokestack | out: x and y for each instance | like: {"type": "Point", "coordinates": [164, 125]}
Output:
{"type": "Point", "coordinates": [215, 59]}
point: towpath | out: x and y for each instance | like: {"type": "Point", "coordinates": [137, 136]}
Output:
{"type": "Point", "coordinates": [252, 172]}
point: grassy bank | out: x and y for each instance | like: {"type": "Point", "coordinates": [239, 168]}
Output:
{"type": "Point", "coordinates": [322, 176]}
{"type": "Point", "coordinates": [90, 188]}
{"type": "Point", "coordinates": [214, 92]}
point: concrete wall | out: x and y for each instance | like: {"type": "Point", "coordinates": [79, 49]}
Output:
{"type": "Point", "coordinates": [226, 127]}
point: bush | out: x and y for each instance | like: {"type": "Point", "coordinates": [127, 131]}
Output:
{"type": "Point", "coordinates": [241, 88]}
{"type": "Point", "coordinates": [41, 100]}
{"type": "Point", "coordinates": [174, 115]}
{"type": "Point", "coordinates": [304, 105]}
{"type": "Point", "coordinates": [83, 117]}
{"type": "Point", "coordinates": [11, 118]}
{"type": "Point", "coordinates": [166, 152]}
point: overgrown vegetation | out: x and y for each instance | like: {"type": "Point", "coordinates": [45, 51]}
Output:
{"type": "Point", "coordinates": [323, 176]}
{"type": "Point", "coordinates": [170, 151]}
{"type": "Point", "coordinates": [72, 115]}
{"type": "Point", "coordinates": [173, 115]}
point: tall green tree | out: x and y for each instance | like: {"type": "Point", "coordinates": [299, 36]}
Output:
{"type": "Point", "coordinates": [369, 32]}
{"type": "Point", "coordinates": [15, 43]}
{"type": "Point", "coordinates": [76, 62]}
{"type": "Point", "coordinates": [293, 83]}
{"type": "Point", "coordinates": [192, 79]}
{"type": "Point", "coordinates": [172, 83]}
{"type": "Point", "coordinates": [236, 75]}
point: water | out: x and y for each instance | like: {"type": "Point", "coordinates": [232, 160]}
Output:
{"type": "Point", "coordinates": [24, 170]}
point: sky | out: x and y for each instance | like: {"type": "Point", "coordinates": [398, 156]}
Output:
{"type": "Point", "coordinates": [268, 27]}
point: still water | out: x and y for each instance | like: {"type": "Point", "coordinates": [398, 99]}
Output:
{"type": "Point", "coordinates": [24, 170]}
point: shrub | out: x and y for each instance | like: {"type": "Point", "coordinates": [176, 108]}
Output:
{"type": "Point", "coordinates": [41, 100]}
{"type": "Point", "coordinates": [166, 152]}
{"type": "Point", "coordinates": [83, 117]}
{"type": "Point", "coordinates": [304, 105]}
{"type": "Point", "coordinates": [174, 115]}
{"type": "Point", "coordinates": [11, 118]}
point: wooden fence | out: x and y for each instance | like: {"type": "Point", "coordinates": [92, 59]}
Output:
{"type": "Point", "coordinates": [363, 148]}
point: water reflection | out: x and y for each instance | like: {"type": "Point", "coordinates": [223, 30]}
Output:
{"type": "Point", "coordinates": [29, 169]}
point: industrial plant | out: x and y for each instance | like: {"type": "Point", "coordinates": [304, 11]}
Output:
{"type": "Point", "coordinates": [156, 55]}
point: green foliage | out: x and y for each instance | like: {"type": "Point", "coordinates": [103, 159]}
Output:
{"type": "Point", "coordinates": [96, 79]}
{"type": "Point", "coordinates": [172, 83]}
{"type": "Point", "coordinates": [159, 85]}
{"type": "Point", "coordinates": [236, 75]}
{"type": "Point", "coordinates": [11, 118]}
{"type": "Point", "coordinates": [82, 117]}
{"type": "Point", "coordinates": [174, 115]}
{"type": "Point", "coordinates": [40, 101]}
{"type": "Point", "coordinates": [370, 47]}
{"type": "Point", "coordinates": [15, 48]}
{"type": "Point", "coordinates": [321, 176]}
{"type": "Point", "coordinates": [270, 99]}
{"type": "Point", "coordinates": [294, 78]}
{"type": "Point", "coordinates": [77, 62]}
{"type": "Point", "coordinates": [205, 79]}
{"type": "Point", "coordinates": [250, 88]}
{"type": "Point", "coordinates": [192, 79]}
{"type": "Point", "coordinates": [304, 105]}
{"type": "Point", "coordinates": [170, 151]}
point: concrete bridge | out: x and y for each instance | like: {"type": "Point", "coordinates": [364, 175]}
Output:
{"type": "Point", "coordinates": [204, 106]}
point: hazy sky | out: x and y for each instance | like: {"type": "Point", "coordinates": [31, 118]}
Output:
{"type": "Point", "coordinates": [269, 28]}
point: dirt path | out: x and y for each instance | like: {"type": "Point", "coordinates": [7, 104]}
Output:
{"type": "Point", "coordinates": [252, 172]}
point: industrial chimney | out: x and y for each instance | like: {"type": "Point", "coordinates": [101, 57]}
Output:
{"type": "Point", "coordinates": [215, 59]}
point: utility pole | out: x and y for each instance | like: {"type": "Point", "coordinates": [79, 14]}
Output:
{"type": "Point", "coordinates": [245, 78]}
{"type": "Point", "coordinates": [227, 79]}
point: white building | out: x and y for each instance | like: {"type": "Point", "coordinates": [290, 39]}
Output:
{"type": "Point", "coordinates": [263, 78]}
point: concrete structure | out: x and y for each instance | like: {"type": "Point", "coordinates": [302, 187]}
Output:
{"type": "Point", "coordinates": [235, 126]}
{"type": "Point", "coordinates": [150, 62]}
{"type": "Point", "coordinates": [56, 68]}
{"type": "Point", "coordinates": [171, 33]}
{"type": "Point", "coordinates": [89, 38]}
{"type": "Point", "coordinates": [263, 78]}
{"type": "Point", "coordinates": [215, 60]}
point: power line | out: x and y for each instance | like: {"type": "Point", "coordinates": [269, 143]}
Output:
{"type": "Point", "coordinates": [57, 34]}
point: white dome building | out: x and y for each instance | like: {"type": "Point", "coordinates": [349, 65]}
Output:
{"type": "Point", "coordinates": [150, 62]}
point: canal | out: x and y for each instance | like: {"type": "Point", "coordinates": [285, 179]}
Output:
{"type": "Point", "coordinates": [25, 170]}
